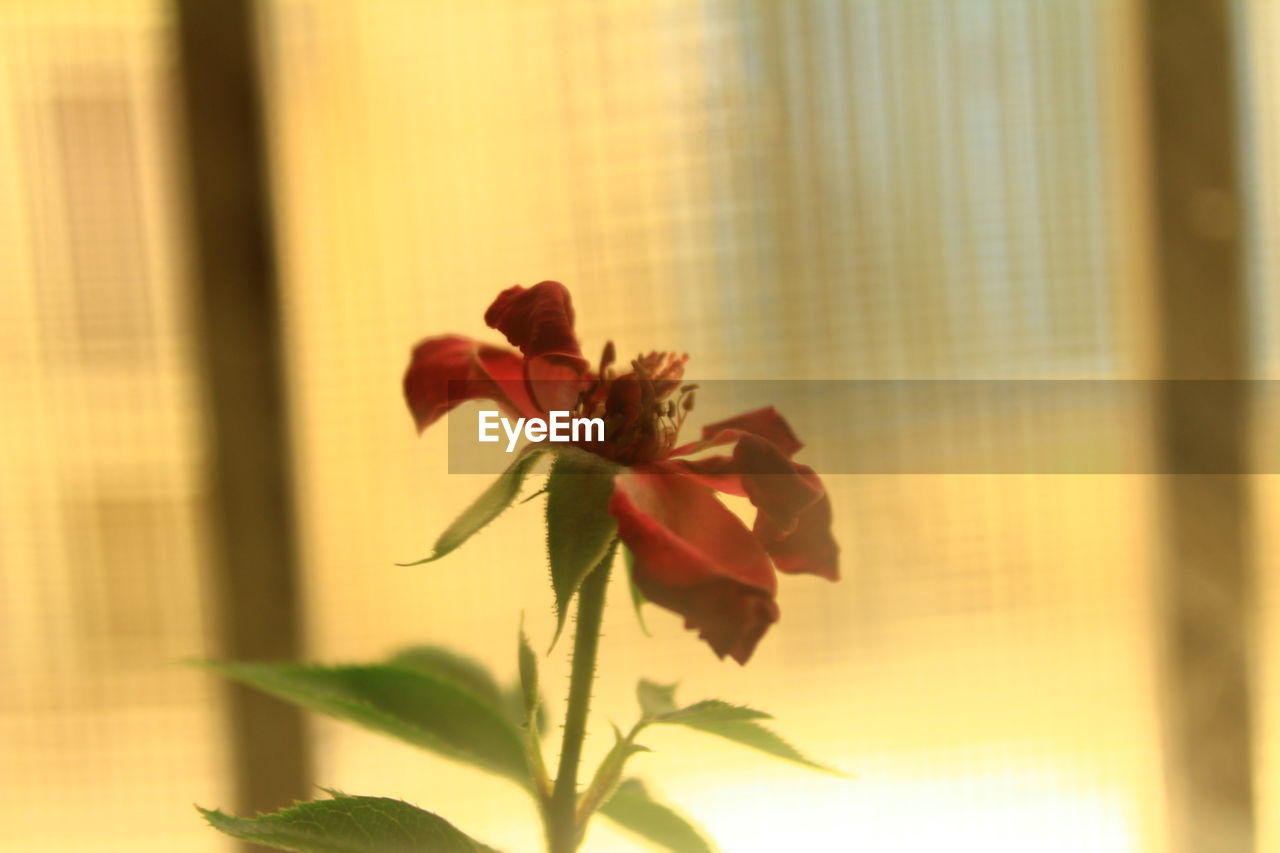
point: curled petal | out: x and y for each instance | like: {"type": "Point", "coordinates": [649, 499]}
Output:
{"type": "Point", "coordinates": [536, 320]}
{"type": "Point", "coordinates": [793, 521]}
{"type": "Point", "coordinates": [694, 557]}
{"type": "Point", "coordinates": [717, 472]}
{"type": "Point", "coordinates": [451, 369]}
{"type": "Point", "coordinates": [555, 381]}
{"type": "Point", "coordinates": [539, 321]}
{"type": "Point", "coordinates": [766, 423]}
{"type": "Point", "coordinates": [778, 487]}
{"type": "Point", "coordinates": [808, 548]}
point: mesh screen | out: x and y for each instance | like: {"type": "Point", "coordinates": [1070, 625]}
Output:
{"type": "Point", "coordinates": [105, 738]}
{"type": "Point", "coordinates": [821, 190]}
{"type": "Point", "coordinates": [818, 190]}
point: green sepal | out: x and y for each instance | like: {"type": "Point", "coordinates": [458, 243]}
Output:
{"type": "Point", "coordinates": [632, 808]}
{"type": "Point", "coordinates": [514, 705]}
{"type": "Point", "coordinates": [427, 711]}
{"type": "Point", "coordinates": [541, 780]}
{"type": "Point", "coordinates": [637, 597]}
{"type": "Point", "coordinates": [580, 530]}
{"type": "Point", "coordinates": [608, 774]}
{"type": "Point", "coordinates": [347, 824]}
{"type": "Point", "coordinates": [529, 690]}
{"type": "Point", "coordinates": [492, 501]}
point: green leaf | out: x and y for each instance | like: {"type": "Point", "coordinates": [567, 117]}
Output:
{"type": "Point", "coordinates": [656, 699]}
{"type": "Point", "coordinates": [469, 675]}
{"type": "Point", "coordinates": [424, 710]}
{"type": "Point", "coordinates": [710, 711]}
{"type": "Point", "coordinates": [349, 825]}
{"type": "Point", "coordinates": [487, 507]}
{"type": "Point", "coordinates": [580, 530]}
{"type": "Point", "coordinates": [734, 722]}
{"type": "Point", "coordinates": [633, 809]}
{"type": "Point", "coordinates": [752, 734]}
{"type": "Point", "coordinates": [448, 665]}
{"type": "Point", "coordinates": [529, 680]}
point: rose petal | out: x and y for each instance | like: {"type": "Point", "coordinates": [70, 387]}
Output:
{"type": "Point", "coordinates": [794, 514]}
{"type": "Point", "coordinates": [555, 381]}
{"type": "Point", "coordinates": [694, 557]}
{"type": "Point", "coordinates": [536, 320]}
{"type": "Point", "coordinates": [539, 320]}
{"type": "Point", "coordinates": [449, 370]}
{"type": "Point", "coordinates": [718, 472]}
{"type": "Point", "coordinates": [809, 548]}
{"type": "Point", "coordinates": [766, 423]}
{"type": "Point", "coordinates": [776, 486]}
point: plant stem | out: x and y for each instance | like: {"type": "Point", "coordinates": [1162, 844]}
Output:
{"type": "Point", "coordinates": [563, 833]}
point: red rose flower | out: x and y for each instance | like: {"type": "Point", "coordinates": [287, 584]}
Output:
{"type": "Point", "coordinates": [691, 554]}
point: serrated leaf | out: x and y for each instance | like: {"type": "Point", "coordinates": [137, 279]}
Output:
{"type": "Point", "coordinates": [449, 665]}
{"type": "Point", "coordinates": [580, 530]}
{"type": "Point", "coordinates": [468, 674]}
{"type": "Point", "coordinates": [424, 710]}
{"type": "Point", "coordinates": [752, 734]}
{"type": "Point", "coordinates": [633, 809]}
{"type": "Point", "coordinates": [711, 711]}
{"type": "Point", "coordinates": [656, 699]}
{"type": "Point", "coordinates": [528, 679]}
{"type": "Point", "coordinates": [487, 507]}
{"type": "Point", "coordinates": [349, 825]}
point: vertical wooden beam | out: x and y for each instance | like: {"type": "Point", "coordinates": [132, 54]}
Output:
{"type": "Point", "coordinates": [1202, 334]}
{"type": "Point", "coordinates": [236, 307]}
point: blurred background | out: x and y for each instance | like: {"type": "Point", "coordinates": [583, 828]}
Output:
{"type": "Point", "coordinates": [222, 226]}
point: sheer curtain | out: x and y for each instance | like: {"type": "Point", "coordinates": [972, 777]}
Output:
{"type": "Point", "coordinates": [105, 737]}
{"type": "Point", "coordinates": [809, 190]}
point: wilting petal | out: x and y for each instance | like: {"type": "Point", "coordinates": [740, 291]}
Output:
{"type": "Point", "coordinates": [757, 470]}
{"type": "Point", "coordinates": [539, 320]}
{"type": "Point", "coordinates": [766, 423]}
{"type": "Point", "coordinates": [794, 513]}
{"type": "Point", "coordinates": [776, 486]}
{"type": "Point", "coordinates": [694, 557]}
{"type": "Point", "coordinates": [555, 380]}
{"type": "Point", "coordinates": [536, 320]}
{"type": "Point", "coordinates": [449, 370]}
{"type": "Point", "coordinates": [717, 472]}
{"type": "Point", "coordinates": [808, 548]}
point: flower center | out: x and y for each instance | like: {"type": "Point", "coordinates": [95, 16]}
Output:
{"type": "Point", "coordinates": [642, 409]}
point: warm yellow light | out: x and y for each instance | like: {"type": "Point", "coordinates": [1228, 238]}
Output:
{"type": "Point", "coordinates": [999, 812]}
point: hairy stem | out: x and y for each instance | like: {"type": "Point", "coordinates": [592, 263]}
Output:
{"type": "Point", "coordinates": [563, 833]}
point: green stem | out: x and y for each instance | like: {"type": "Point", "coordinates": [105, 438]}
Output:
{"type": "Point", "coordinates": [563, 833]}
